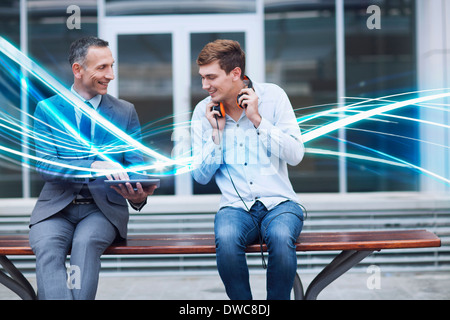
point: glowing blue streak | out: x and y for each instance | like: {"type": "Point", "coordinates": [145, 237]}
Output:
{"type": "Point", "coordinates": [420, 169]}
{"type": "Point", "coordinates": [313, 134]}
{"type": "Point", "coordinates": [17, 56]}
{"type": "Point", "coordinates": [353, 156]}
{"type": "Point", "coordinates": [163, 162]}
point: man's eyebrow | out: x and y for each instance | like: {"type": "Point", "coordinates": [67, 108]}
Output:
{"type": "Point", "coordinates": [105, 64]}
{"type": "Point", "coordinates": [208, 75]}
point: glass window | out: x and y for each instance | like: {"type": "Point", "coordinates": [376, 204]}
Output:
{"type": "Point", "coordinates": [10, 21]}
{"type": "Point", "coordinates": [10, 165]}
{"type": "Point", "coordinates": [10, 129]}
{"type": "Point", "coordinates": [300, 44]}
{"type": "Point", "coordinates": [145, 79]}
{"type": "Point", "coordinates": [160, 7]}
{"type": "Point", "coordinates": [300, 52]}
{"type": "Point", "coordinates": [49, 39]}
{"type": "Point", "coordinates": [381, 62]}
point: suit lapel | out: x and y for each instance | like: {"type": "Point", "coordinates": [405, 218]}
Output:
{"type": "Point", "coordinates": [67, 110]}
{"type": "Point", "coordinates": [105, 109]}
{"type": "Point", "coordinates": [61, 117]}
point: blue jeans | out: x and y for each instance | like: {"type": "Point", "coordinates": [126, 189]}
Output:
{"type": "Point", "coordinates": [86, 232]}
{"type": "Point", "coordinates": [235, 229]}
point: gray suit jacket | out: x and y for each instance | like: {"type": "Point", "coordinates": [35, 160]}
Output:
{"type": "Point", "coordinates": [54, 143]}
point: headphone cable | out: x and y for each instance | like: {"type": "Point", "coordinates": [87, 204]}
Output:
{"type": "Point", "coordinates": [242, 200]}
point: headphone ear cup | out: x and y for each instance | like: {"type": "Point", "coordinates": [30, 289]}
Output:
{"type": "Point", "coordinates": [222, 110]}
{"type": "Point", "coordinates": [219, 107]}
{"type": "Point", "coordinates": [249, 81]}
{"type": "Point", "coordinates": [237, 101]}
{"type": "Point", "coordinates": [249, 85]}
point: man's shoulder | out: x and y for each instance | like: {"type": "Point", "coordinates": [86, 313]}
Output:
{"type": "Point", "coordinates": [53, 99]}
{"type": "Point", "coordinates": [201, 105]}
{"type": "Point", "coordinates": [52, 102]}
{"type": "Point", "coordinates": [267, 87]}
{"type": "Point", "coordinates": [116, 101]}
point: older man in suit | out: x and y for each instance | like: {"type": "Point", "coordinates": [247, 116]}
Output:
{"type": "Point", "coordinates": [76, 211]}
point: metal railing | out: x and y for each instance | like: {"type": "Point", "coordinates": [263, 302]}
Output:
{"type": "Point", "coordinates": [339, 213]}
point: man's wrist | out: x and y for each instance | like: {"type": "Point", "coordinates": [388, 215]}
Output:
{"type": "Point", "coordinates": [216, 136]}
{"type": "Point", "coordinates": [257, 121]}
{"type": "Point", "coordinates": [138, 206]}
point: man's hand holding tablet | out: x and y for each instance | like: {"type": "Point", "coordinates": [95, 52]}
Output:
{"type": "Point", "coordinates": [135, 191]}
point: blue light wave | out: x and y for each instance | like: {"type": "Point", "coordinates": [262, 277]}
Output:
{"type": "Point", "coordinates": [15, 151]}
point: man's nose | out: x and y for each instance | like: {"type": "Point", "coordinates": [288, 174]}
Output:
{"type": "Point", "coordinates": [110, 74]}
{"type": "Point", "coordinates": [205, 85]}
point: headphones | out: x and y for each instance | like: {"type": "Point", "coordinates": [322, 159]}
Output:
{"type": "Point", "coordinates": [221, 109]}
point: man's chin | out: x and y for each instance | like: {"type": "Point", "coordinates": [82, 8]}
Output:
{"type": "Point", "coordinates": [102, 91]}
{"type": "Point", "coordinates": [215, 99]}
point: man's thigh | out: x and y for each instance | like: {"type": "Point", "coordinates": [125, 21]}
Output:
{"type": "Point", "coordinates": [94, 229]}
{"type": "Point", "coordinates": [52, 234]}
{"type": "Point", "coordinates": [235, 225]}
{"type": "Point", "coordinates": [284, 221]}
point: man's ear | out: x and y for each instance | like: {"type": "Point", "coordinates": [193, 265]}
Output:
{"type": "Point", "coordinates": [76, 69]}
{"type": "Point", "coordinates": [236, 73]}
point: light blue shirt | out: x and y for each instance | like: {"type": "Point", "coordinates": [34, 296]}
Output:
{"type": "Point", "coordinates": [95, 102]}
{"type": "Point", "coordinates": [256, 158]}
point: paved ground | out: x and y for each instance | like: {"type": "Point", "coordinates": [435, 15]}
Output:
{"type": "Point", "coordinates": [351, 286]}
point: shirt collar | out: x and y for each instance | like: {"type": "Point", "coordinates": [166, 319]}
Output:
{"type": "Point", "coordinates": [95, 101]}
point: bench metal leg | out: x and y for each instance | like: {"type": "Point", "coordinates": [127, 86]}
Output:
{"type": "Point", "coordinates": [16, 282]}
{"type": "Point", "coordinates": [340, 265]}
{"type": "Point", "coordinates": [298, 288]}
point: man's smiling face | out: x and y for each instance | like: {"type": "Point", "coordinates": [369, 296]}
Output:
{"type": "Point", "coordinates": [96, 72]}
{"type": "Point", "coordinates": [215, 80]}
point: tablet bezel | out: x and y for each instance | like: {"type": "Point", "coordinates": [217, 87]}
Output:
{"type": "Point", "coordinates": [143, 182]}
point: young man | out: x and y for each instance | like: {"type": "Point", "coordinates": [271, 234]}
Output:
{"type": "Point", "coordinates": [81, 213]}
{"type": "Point", "coordinates": [247, 149]}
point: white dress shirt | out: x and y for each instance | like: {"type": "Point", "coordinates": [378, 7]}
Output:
{"type": "Point", "coordinates": [256, 158]}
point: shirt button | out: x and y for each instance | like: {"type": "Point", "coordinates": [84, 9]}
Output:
{"type": "Point", "coordinates": [251, 182]}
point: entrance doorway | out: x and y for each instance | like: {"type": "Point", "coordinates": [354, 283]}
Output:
{"type": "Point", "coordinates": [155, 70]}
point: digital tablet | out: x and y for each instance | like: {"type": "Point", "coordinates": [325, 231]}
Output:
{"type": "Point", "coordinates": [143, 182]}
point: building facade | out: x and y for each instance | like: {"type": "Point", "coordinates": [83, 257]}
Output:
{"type": "Point", "coordinates": [325, 54]}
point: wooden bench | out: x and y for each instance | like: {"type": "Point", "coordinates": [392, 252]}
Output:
{"type": "Point", "coordinates": [355, 246]}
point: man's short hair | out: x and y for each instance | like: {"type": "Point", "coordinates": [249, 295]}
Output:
{"type": "Point", "coordinates": [79, 49]}
{"type": "Point", "coordinates": [227, 52]}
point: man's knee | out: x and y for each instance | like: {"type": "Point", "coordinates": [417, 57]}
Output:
{"type": "Point", "coordinates": [229, 240]}
{"type": "Point", "coordinates": [49, 250]}
{"type": "Point", "coordinates": [280, 236]}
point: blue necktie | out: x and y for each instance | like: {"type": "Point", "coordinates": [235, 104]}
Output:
{"type": "Point", "coordinates": [86, 125]}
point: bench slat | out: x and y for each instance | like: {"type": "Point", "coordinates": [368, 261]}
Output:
{"type": "Point", "coordinates": [204, 243]}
